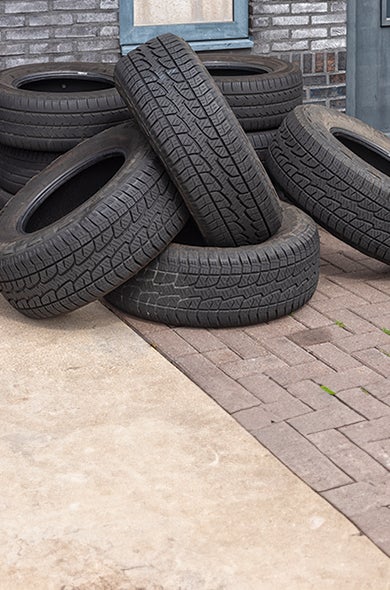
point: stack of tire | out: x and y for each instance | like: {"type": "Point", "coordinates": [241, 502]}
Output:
{"type": "Point", "coordinates": [172, 217]}
{"type": "Point", "coordinates": [174, 220]}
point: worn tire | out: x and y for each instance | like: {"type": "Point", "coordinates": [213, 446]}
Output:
{"type": "Point", "coordinates": [52, 107]}
{"type": "Point", "coordinates": [4, 197]}
{"type": "Point", "coordinates": [87, 223]}
{"type": "Point", "coordinates": [337, 169]}
{"type": "Point", "coordinates": [260, 90]}
{"type": "Point", "coordinates": [224, 287]}
{"type": "Point", "coordinates": [201, 143]}
{"type": "Point", "coordinates": [261, 141]}
{"type": "Point", "coordinates": [19, 166]}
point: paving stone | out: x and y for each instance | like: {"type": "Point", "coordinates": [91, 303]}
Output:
{"type": "Point", "coordinates": [202, 340]}
{"type": "Point", "coordinates": [241, 343]}
{"type": "Point", "coordinates": [330, 288]}
{"type": "Point", "coordinates": [367, 405]}
{"type": "Point", "coordinates": [312, 394]}
{"type": "Point", "coordinates": [341, 380]}
{"type": "Point", "coordinates": [341, 261]}
{"type": "Point", "coordinates": [255, 418]}
{"type": "Point", "coordinates": [374, 310]}
{"type": "Point", "coordinates": [329, 269]}
{"type": "Point", "coordinates": [368, 431]}
{"type": "Point", "coordinates": [376, 525]}
{"type": "Point", "coordinates": [357, 342]}
{"type": "Point", "coordinates": [222, 355]}
{"type": "Point", "coordinates": [349, 457]}
{"type": "Point", "coordinates": [243, 367]}
{"type": "Point", "coordinates": [312, 318]}
{"type": "Point", "coordinates": [381, 321]}
{"type": "Point", "coordinates": [288, 351]}
{"type": "Point", "coordinates": [380, 388]}
{"type": "Point", "coordinates": [382, 284]}
{"type": "Point", "coordinates": [331, 417]}
{"type": "Point", "coordinates": [356, 498]}
{"type": "Point", "coordinates": [380, 450]}
{"type": "Point", "coordinates": [317, 296]}
{"type": "Point", "coordinates": [225, 391]}
{"type": "Point", "coordinates": [287, 407]}
{"type": "Point", "coordinates": [302, 457]}
{"type": "Point", "coordinates": [375, 267]}
{"type": "Point", "coordinates": [347, 301]}
{"type": "Point", "coordinates": [289, 375]}
{"type": "Point", "coordinates": [352, 321]}
{"type": "Point", "coordinates": [171, 344]}
{"type": "Point", "coordinates": [306, 338]}
{"type": "Point", "coordinates": [280, 327]}
{"type": "Point", "coordinates": [263, 388]}
{"type": "Point", "coordinates": [356, 284]}
{"type": "Point", "coordinates": [375, 359]}
{"type": "Point", "coordinates": [333, 356]}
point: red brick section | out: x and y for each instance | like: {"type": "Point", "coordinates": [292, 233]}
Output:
{"type": "Point", "coordinates": [312, 387]}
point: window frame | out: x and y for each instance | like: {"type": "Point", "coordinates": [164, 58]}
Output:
{"type": "Point", "coordinates": [215, 35]}
{"type": "Point", "coordinates": [385, 13]}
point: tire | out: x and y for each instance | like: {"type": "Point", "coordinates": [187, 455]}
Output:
{"type": "Point", "coordinates": [260, 141]}
{"type": "Point", "coordinates": [337, 169]}
{"type": "Point", "coordinates": [4, 198]}
{"type": "Point", "coordinates": [201, 143]}
{"type": "Point", "coordinates": [204, 287]}
{"type": "Point", "coordinates": [19, 166]}
{"type": "Point", "coordinates": [87, 223]}
{"type": "Point", "coordinates": [52, 107]}
{"type": "Point", "coordinates": [260, 90]}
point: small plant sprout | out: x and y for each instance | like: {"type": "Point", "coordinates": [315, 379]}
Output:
{"type": "Point", "coordinates": [327, 390]}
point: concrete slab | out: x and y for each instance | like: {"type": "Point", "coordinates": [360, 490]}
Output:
{"type": "Point", "coordinates": [118, 472]}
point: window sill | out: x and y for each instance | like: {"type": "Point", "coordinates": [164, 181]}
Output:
{"type": "Point", "coordinates": [207, 45]}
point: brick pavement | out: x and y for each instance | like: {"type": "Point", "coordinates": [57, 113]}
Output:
{"type": "Point", "coordinates": [312, 387]}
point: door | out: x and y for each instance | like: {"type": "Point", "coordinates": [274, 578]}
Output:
{"type": "Point", "coordinates": [368, 62]}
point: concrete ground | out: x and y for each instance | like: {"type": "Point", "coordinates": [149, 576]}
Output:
{"type": "Point", "coordinates": [312, 387]}
{"type": "Point", "coordinates": [119, 473]}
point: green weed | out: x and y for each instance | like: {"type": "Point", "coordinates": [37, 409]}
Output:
{"type": "Point", "coordinates": [327, 390]}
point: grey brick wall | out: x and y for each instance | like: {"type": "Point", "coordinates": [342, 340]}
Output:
{"type": "Point", "coordinates": [312, 33]}
{"type": "Point", "coordinates": [58, 30]}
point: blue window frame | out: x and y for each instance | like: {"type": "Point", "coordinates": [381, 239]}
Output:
{"type": "Point", "coordinates": [201, 36]}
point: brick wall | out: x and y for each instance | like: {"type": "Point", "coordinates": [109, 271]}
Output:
{"type": "Point", "coordinates": [58, 30]}
{"type": "Point", "coordinates": [312, 33]}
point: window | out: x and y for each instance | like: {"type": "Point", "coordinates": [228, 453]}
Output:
{"type": "Point", "coordinates": [205, 24]}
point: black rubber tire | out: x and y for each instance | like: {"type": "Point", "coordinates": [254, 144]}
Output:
{"type": "Point", "coordinates": [347, 193]}
{"type": "Point", "coordinates": [37, 112]}
{"type": "Point", "coordinates": [19, 166]}
{"type": "Point", "coordinates": [201, 143]}
{"type": "Point", "coordinates": [112, 210]}
{"type": "Point", "coordinates": [260, 90]}
{"type": "Point", "coordinates": [261, 141]}
{"type": "Point", "coordinates": [206, 287]}
{"type": "Point", "coordinates": [4, 197]}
